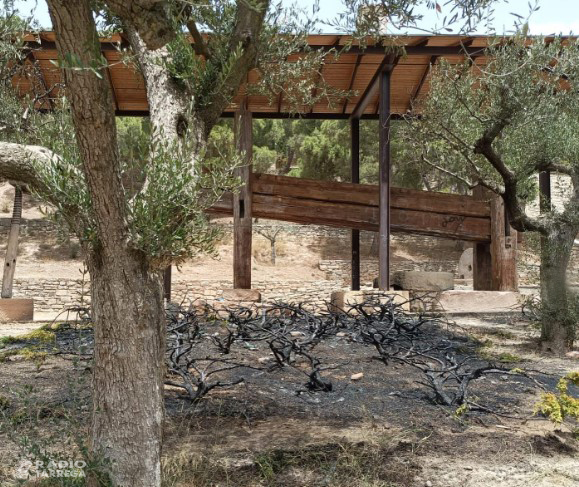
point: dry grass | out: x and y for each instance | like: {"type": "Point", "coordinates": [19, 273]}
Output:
{"type": "Point", "coordinates": [333, 464]}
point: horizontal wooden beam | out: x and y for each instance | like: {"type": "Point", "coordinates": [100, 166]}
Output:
{"type": "Point", "coordinates": [421, 49]}
{"type": "Point", "coordinates": [355, 206]}
{"type": "Point", "coordinates": [367, 194]}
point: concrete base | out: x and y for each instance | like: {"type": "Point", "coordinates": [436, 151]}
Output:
{"type": "Point", "coordinates": [477, 302]}
{"type": "Point", "coordinates": [342, 300]}
{"type": "Point", "coordinates": [423, 281]}
{"type": "Point", "coordinates": [16, 310]}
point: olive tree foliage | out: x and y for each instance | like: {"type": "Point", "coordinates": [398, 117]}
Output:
{"type": "Point", "coordinates": [498, 125]}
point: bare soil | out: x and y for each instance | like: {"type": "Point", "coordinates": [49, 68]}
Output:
{"type": "Point", "coordinates": [381, 430]}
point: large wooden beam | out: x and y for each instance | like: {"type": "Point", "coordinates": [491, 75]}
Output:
{"type": "Point", "coordinates": [355, 177]}
{"type": "Point", "coordinates": [355, 206]}
{"type": "Point", "coordinates": [481, 255]}
{"type": "Point", "coordinates": [545, 191]}
{"type": "Point", "coordinates": [242, 202]}
{"type": "Point", "coordinates": [367, 195]}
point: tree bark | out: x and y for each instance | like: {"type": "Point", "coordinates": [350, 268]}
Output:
{"type": "Point", "coordinates": [272, 242]}
{"type": "Point", "coordinates": [12, 247]}
{"type": "Point", "coordinates": [558, 320]}
{"type": "Point", "coordinates": [128, 369]}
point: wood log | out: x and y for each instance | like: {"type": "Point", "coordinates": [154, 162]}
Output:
{"type": "Point", "coordinates": [12, 247]}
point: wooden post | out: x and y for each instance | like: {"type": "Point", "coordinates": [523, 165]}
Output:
{"type": "Point", "coordinates": [503, 249]}
{"type": "Point", "coordinates": [481, 256]}
{"type": "Point", "coordinates": [384, 180]}
{"type": "Point", "coordinates": [12, 247]}
{"type": "Point", "coordinates": [495, 264]}
{"type": "Point", "coordinates": [167, 284]}
{"type": "Point", "coordinates": [242, 202]}
{"type": "Point", "coordinates": [355, 177]}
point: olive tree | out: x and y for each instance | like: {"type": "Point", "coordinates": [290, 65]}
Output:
{"type": "Point", "coordinates": [130, 234]}
{"type": "Point", "coordinates": [498, 125]}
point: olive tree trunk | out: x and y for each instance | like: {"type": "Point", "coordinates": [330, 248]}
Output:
{"type": "Point", "coordinates": [127, 300]}
{"type": "Point", "coordinates": [558, 320]}
{"type": "Point", "coordinates": [128, 369]}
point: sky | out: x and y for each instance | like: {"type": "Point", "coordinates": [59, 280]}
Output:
{"type": "Point", "coordinates": [553, 17]}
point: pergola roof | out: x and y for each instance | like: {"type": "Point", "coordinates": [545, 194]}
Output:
{"type": "Point", "coordinates": [356, 70]}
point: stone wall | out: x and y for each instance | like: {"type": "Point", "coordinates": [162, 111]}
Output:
{"type": "Point", "coordinates": [54, 295]}
{"type": "Point", "coordinates": [340, 270]}
{"type": "Point", "coordinates": [36, 229]}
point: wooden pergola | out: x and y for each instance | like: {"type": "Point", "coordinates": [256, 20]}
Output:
{"type": "Point", "coordinates": [385, 86]}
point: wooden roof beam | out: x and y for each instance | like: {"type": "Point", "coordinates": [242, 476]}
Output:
{"type": "Point", "coordinates": [352, 80]}
{"type": "Point", "coordinates": [47, 90]}
{"type": "Point", "coordinates": [418, 89]}
{"type": "Point", "coordinates": [387, 63]}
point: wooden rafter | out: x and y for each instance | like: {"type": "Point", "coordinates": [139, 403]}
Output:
{"type": "Point", "coordinates": [423, 79]}
{"type": "Point", "coordinates": [320, 76]}
{"type": "Point", "coordinates": [113, 91]}
{"type": "Point", "coordinates": [30, 56]}
{"type": "Point", "coordinates": [352, 80]}
{"type": "Point", "coordinates": [372, 87]}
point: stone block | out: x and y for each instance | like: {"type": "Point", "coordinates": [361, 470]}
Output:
{"type": "Point", "coordinates": [341, 300]}
{"type": "Point", "coordinates": [423, 281]}
{"type": "Point", "coordinates": [465, 265]}
{"type": "Point", "coordinates": [242, 295]}
{"type": "Point", "coordinates": [479, 301]}
{"type": "Point", "coordinates": [13, 309]}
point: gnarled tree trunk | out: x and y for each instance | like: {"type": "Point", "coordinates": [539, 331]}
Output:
{"type": "Point", "coordinates": [558, 322]}
{"type": "Point", "coordinates": [128, 368]}
{"type": "Point", "coordinates": [126, 293]}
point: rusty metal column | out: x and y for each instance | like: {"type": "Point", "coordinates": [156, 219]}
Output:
{"type": "Point", "coordinates": [355, 177]}
{"type": "Point", "coordinates": [384, 180]}
{"type": "Point", "coordinates": [545, 191]}
{"type": "Point", "coordinates": [167, 283]}
{"type": "Point", "coordinates": [242, 202]}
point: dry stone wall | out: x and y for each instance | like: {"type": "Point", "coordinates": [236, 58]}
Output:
{"type": "Point", "coordinates": [52, 295]}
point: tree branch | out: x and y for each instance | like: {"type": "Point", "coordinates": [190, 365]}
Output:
{"type": "Point", "coordinates": [517, 216]}
{"type": "Point", "coordinates": [249, 19]}
{"type": "Point", "coordinates": [17, 164]}
{"type": "Point", "coordinates": [150, 17]}
{"type": "Point", "coordinates": [199, 45]}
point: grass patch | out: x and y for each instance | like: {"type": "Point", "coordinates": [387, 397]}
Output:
{"type": "Point", "coordinates": [9, 340]}
{"type": "Point", "coordinates": [41, 335]}
{"type": "Point", "coordinates": [4, 356]}
{"type": "Point", "coordinates": [509, 358]}
{"type": "Point", "coordinates": [362, 464]}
